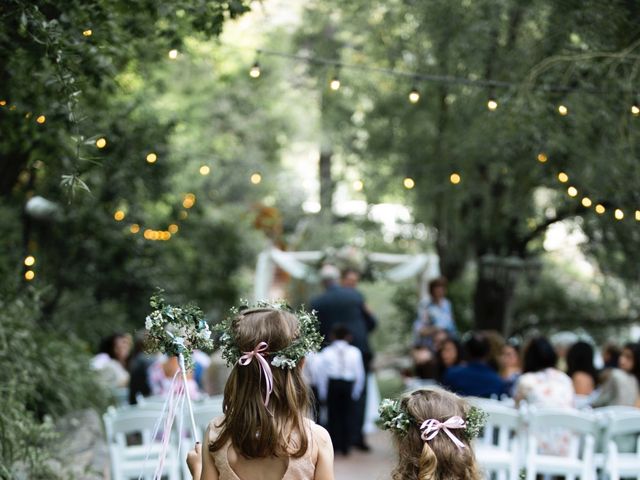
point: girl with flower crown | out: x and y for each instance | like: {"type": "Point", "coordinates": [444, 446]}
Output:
{"type": "Point", "coordinates": [264, 433]}
{"type": "Point", "coordinates": [432, 430]}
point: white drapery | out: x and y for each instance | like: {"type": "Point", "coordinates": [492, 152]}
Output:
{"type": "Point", "coordinates": [423, 266]}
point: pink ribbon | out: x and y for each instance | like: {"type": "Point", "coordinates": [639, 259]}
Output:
{"type": "Point", "coordinates": [258, 353]}
{"type": "Point", "coordinates": [431, 427]}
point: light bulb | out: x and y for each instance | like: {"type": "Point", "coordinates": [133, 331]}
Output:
{"type": "Point", "coordinates": [256, 178]}
{"type": "Point", "coordinates": [119, 216]}
{"type": "Point", "coordinates": [414, 95]}
{"type": "Point", "coordinates": [255, 70]}
{"type": "Point", "coordinates": [563, 110]}
{"type": "Point", "coordinates": [563, 177]}
{"type": "Point", "coordinates": [638, 215]}
{"type": "Point", "coordinates": [619, 214]}
{"type": "Point", "coordinates": [334, 84]}
{"type": "Point", "coordinates": [87, 33]}
{"type": "Point", "coordinates": [101, 142]}
{"type": "Point", "coordinates": [30, 261]}
{"type": "Point", "coordinates": [600, 209]}
{"type": "Point", "coordinates": [586, 202]}
{"type": "Point", "coordinates": [542, 157]}
{"type": "Point", "coordinates": [572, 191]}
{"type": "Point", "coordinates": [492, 104]}
{"type": "Point", "coordinates": [635, 110]}
{"type": "Point", "coordinates": [204, 170]}
{"type": "Point", "coordinates": [29, 275]}
{"type": "Point", "coordinates": [409, 183]}
{"type": "Point", "coordinates": [152, 158]}
{"type": "Point", "coordinates": [173, 54]}
{"type": "Point", "coordinates": [358, 185]}
{"type": "Point", "coordinates": [135, 228]}
{"type": "Point", "coordinates": [455, 178]}
{"type": "Point", "coordinates": [41, 119]}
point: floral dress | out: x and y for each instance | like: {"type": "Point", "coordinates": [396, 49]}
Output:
{"type": "Point", "coordinates": [549, 388]}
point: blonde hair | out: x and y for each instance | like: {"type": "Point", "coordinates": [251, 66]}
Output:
{"type": "Point", "coordinates": [254, 430]}
{"type": "Point", "coordinates": [439, 458]}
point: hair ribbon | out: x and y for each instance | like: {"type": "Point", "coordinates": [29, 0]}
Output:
{"type": "Point", "coordinates": [258, 353]}
{"type": "Point", "coordinates": [430, 428]}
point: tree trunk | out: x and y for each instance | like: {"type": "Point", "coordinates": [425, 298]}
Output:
{"type": "Point", "coordinates": [491, 304]}
{"type": "Point", "coordinates": [326, 183]}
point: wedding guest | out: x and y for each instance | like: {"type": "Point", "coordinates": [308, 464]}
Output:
{"type": "Point", "coordinates": [581, 369]}
{"type": "Point", "coordinates": [340, 385]}
{"type": "Point", "coordinates": [620, 386]}
{"type": "Point", "coordinates": [510, 366]}
{"type": "Point", "coordinates": [111, 361]}
{"type": "Point", "coordinates": [139, 368]}
{"type": "Point", "coordinates": [449, 355]}
{"type": "Point", "coordinates": [161, 375]}
{"type": "Point", "coordinates": [476, 378]}
{"type": "Point", "coordinates": [434, 314]}
{"type": "Point", "coordinates": [543, 385]}
{"type": "Point", "coordinates": [610, 355]}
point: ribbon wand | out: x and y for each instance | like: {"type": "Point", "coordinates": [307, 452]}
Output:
{"type": "Point", "coordinates": [186, 389]}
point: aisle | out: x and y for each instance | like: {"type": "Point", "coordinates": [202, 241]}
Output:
{"type": "Point", "coordinates": [373, 465]}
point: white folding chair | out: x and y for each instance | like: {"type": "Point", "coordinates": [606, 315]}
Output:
{"type": "Point", "coordinates": [131, 461]}
{"type": "Point", "coordinates": [619, 464]}
{"type": "Point", "coordinates": [497, 449]}
{"type": "Point", "coordinates": [580, 426]}
{"type": "Point", "coordinates": [203, 413]}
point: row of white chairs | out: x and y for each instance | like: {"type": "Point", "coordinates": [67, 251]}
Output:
{"type": "Point", "coordinates": [133, 450]}
{"type": "Point", "coordinates": [510, 442]}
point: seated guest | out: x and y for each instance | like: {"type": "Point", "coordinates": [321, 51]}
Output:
{"type": "Point", "coordinates": [510, 367]}
{"type": "Point", "coordinates": [620, 386]}
{"type": "Point", "coordinates": [581, 369]}
{"type": "Point", "coordinates": [449, 355]}
{"type": "Point", "coordinates": [543, 385]}
{"type": "Point", "coordinates": [476, 378]}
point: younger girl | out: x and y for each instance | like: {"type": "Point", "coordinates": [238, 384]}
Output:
{"type": "Point", "coordinates": [264, 433]}
{"type": "Point", "coordinates": [432, 431]}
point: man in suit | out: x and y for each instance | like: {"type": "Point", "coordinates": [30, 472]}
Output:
{"type": "Point", "coordinates": [344, 304]}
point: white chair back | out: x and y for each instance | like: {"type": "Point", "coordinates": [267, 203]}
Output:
{"type": "Point", "coordinates": [622, 430]}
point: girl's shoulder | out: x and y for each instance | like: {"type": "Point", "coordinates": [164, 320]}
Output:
{"type": "Point", "coordinates": [213, 429]}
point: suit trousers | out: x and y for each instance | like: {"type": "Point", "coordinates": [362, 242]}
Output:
{"type": "Point", "coordinates": [340, 409]}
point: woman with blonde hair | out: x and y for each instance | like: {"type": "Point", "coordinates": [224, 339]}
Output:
{"type": "Point", "coordinates": [264, 433]}
{"type": "Point", "coordinates": [432, 431]}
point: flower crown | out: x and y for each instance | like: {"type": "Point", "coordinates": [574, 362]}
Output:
{"type": "Point", "coordinates": [308, 339]}
{"type": "Point", "coordinates": [393, 417]}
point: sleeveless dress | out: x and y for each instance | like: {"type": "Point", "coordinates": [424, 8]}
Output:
{"type": "Point", "coordinates": [302, 468]}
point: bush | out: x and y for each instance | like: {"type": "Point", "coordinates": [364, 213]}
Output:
{"type": "Point", "coordinates": [43, 375]}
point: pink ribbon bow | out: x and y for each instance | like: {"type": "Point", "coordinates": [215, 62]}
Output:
{"type": "Point", "coordinates": [258, 353]}
{"type": "Point", "coordinates": [431, 427]}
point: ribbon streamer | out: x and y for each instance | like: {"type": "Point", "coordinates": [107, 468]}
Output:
{"type": "Point", "coordinates": [430, 428]}
{"type": "Point", "coordinates": [258, 353]}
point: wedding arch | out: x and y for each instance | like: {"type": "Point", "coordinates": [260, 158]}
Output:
{"type": "Point", "coordinates": [303, 266]}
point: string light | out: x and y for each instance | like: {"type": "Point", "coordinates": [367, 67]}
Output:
{"type": "Point", "coordinates": [183, 215]}
{"type": "Point", "coordinates": [414, 95]}
{"type": "Point", "coordinates": [334, 84]}
{"type": "Point", "coordinates": [563, 177]}
{"type": "Point", "coordinates": [542, 157]}
{"type": "Point", "coordinates": [586, 202]}
{"type": "Point", "coordinates": [409, 183]}
{"type": "Point", "coordinates": [173, 228]}
{"type": "Point", "coordinates": [255, 70]}
{"type": "Point", "coordinates": [638, 215]}
{"type": "Point", "coordinates": [152, 158]}
{"type": "Point", "coordinates": [635, 110]}
{"type": "Point", "coordinates": [119, 216]}
{"type": "Point", "coordinates": [256, 178]}
{"type": "Point", "coordinates": [563, 110]}
{"type": "Point", "coordinates": [29, 275]}
{"type": "Point", "coordinates": [101, 142]}
{"type": "Point", "coordinates": [41, 119]}
{"type": "Point", "coordinates": [189, 200]}
{"type": "Point", "coordinates": [135, 228]}
{"type": "Point", "coordinates": [88, 32]}
{"type": "Point", "coordinates": [572, 191]}
{"type": "Point", "coordinates": [30, 261]}
{"type": "Point", "coordinates": [455, 178]}
{"type": "Point", "coordinates": [358, 185]}
{"type": "Point", "coordinates": [492, 104]}
{"type": "Point", "coordinates": [619, 214]}
{"type": "Point", "coordinates": [204, 170]}
{"type": "Point", "coordinates": [600, 209]}
{"type": "Point", "coordinates": [3, 103]}
{"type": "Point", "coordinates": [173, 54]}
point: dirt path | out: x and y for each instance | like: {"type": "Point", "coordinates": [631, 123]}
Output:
{"type": "Point", "coordinates": [373, 465]}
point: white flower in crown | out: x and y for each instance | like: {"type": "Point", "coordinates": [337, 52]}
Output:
{"type": "Point", "coordinates": [148, 323]}
{"type": "Point", "coordinates": [279, 362]}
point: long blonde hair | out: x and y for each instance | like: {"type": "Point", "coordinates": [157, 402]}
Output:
{"type": "Point", "coordinates": [254, 430]}
{"type": "Point", "coordinates": [439, 458]}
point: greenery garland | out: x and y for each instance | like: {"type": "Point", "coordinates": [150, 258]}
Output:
{"type": "Point", "coordinates": [394, 418]}
{"type": "Point", "coordinates": [308, 339]}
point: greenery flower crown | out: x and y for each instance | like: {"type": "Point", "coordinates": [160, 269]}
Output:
{"type": "Point", "coordinates": [393, 417]}
{"type": "Point", "coordinates": [308, 339]}
{"type": "Point", "coordinates": [176, 330]}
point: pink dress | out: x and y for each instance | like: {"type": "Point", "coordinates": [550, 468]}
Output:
{"type": "Point", "coordinates": [302, 468]}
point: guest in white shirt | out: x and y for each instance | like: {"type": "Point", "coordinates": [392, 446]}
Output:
{"type": "Point", "coordinates": [340, 384]}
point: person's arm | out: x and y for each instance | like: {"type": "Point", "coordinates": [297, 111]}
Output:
{"type": "Point", "coordinates": [324, 460]}
{"type": "Point", "coordinates": [200, 462]}
{"type": "Point", "coordinates": [361, 378]}
{"type": "Point", "coordinates": [369, 319]}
